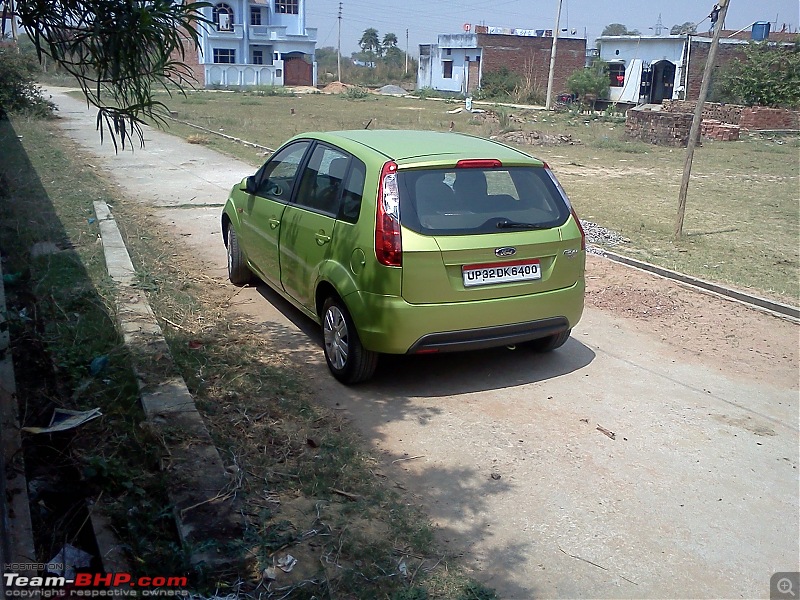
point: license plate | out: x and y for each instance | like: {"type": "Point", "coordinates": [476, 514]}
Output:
{"type": "Point", "coordinates": [505, 272]}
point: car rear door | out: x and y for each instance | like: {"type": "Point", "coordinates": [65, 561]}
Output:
{"type": "Point", "coordinates": [309, 222]}
{"type": "Point", "coordinates": [262, 216]}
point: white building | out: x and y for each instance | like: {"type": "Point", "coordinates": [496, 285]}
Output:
{"type": "Point", "coordinates": [644, 69]}
{"type": "Point", "coordinates": [257, 42]}
{"type": "Point", "coordinates": [452, 65]}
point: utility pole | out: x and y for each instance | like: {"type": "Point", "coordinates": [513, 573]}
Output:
{"type": "Point", "coordinates": [406, 51]}
{"type": "Point", "coordinates": [698, 117]}
{"type": "Point", "coordinates": [553, 58]}
{"type": "Point", "coordinates": [339, 48]}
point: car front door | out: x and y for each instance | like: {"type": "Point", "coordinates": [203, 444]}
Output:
{"type": "Point", "coordinates": [308, 222]}
{"type": "Point", "coordinates": [264, 211]}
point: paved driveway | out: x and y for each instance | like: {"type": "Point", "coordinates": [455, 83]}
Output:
{"type": "Point", "coordinates": [696, 495]}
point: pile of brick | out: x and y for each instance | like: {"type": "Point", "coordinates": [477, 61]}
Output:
{"type": "Point", "coordinates": [659, 128]}
{"type": "Point", "coordinates": [714, 129]}
{"type": "Point", "coordinates": [751, 118]}
{"type": "Point", "coordinates": [726, 113]}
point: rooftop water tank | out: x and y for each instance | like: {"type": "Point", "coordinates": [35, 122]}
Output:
{"type": "Point", "coordinates": [760, 31]}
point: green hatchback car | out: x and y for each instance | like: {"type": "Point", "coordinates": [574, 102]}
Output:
{"type": "Point", "coordinates": [410, 242]}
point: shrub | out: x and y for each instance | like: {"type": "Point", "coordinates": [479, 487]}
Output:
{"type": "Point", "coordinates": [18, 91]}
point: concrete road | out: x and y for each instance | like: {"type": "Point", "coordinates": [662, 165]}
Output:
{"type": "Point", "coordinates": [695, 496]}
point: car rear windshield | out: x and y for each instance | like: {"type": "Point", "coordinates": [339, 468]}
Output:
{"type": "Point", "coordinates": [472, 200]}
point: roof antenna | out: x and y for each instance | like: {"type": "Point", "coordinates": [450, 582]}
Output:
{"type": "Point", "coordinates": [368, 124]}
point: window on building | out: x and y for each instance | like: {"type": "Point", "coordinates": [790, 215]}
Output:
{"type": "Point", "coordinates": [286, 7]}
{"type": "Point", "coordinates": [224, 55]}
{"type": "Point", "coordinates": [448, 51]}
{"type": "Point", "coordinates": [616, 75]}
{"type": "Point", "coordinates": [255, 15]}
{"type": "Point", "coordinates": [448, 69]}
{"type": "Point", "coordinates": [258, 57]}
{"type": "Point", "coordinates": [222, 16]}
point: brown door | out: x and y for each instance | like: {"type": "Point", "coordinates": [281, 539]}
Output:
{"type": "Point", "coordinates": [474, 76]}
{"type": "Point", "coordinates": [297, 71]}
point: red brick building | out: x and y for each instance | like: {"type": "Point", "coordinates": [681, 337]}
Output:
{"type": "Point", "coordinates": [458, 62]}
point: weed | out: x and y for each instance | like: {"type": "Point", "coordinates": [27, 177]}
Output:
{"type": "Point", "coordinates": [355, 93]}
{"type": "Point", "coordinates": [198, 139]}
{"type": "Point", "coordinates": [629, 147]}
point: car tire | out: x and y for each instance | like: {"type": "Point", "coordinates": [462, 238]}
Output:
{"type": "Point", "coordinates": [549, 343]}
{"type": "Point", "coordinates": [347, 358]}
{"type": "Point", "coordinates": [238, 271]}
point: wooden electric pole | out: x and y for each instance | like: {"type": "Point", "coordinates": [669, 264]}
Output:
{"type": "Point", "coordinates": [694, 132]}
{"type": "Point", "coordinates": [553, 58]}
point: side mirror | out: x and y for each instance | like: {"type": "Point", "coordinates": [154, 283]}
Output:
{"type": "Point", "coordinates": [248, 185]}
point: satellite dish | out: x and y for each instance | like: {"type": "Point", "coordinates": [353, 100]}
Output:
{"type": "Point", "coordinates": [467, 26]}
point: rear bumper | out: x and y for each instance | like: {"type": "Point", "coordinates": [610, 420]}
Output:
{"type": "Point", "coordinates": [489, 337]}
{"type": "Point", "coordinates": [389, 324]}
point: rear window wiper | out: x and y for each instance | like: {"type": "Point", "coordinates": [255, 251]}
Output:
{"type": "Point", "coordinates": [515, 225]}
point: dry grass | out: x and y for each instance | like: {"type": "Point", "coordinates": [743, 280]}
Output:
{"type": "Point", "coordinates": [742, 211]}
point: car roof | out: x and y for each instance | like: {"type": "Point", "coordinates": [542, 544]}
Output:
{"type": "Point", "coordinates": [412, 146]}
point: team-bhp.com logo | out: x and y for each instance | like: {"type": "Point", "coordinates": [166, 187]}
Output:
{"type": "Point", "coordinates": [92, 585]}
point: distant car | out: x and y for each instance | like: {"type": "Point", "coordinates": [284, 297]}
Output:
{"type": "Point", "coordinates": [410, 242]}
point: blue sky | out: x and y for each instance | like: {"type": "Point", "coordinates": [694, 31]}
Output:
{"type": "Point", "coordinates": [425, 19]}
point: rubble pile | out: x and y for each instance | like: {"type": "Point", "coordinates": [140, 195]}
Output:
{"type": "Point", "coordinates": [536, 138]}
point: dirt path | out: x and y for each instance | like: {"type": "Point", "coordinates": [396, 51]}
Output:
{"type": "Point", "coordinates": [654, 455]}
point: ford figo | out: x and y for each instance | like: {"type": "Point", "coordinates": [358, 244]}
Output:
{"type": "Point", "coordinates": [410, 242]}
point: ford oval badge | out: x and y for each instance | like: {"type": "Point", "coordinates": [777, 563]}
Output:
{"type": "Point", "coordinates": [507, 251]}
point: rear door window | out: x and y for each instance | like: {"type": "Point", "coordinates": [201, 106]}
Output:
{"type": "Point", "coordinates": [469, 200]}
{"type": "Point", "coordinates": [321, 183]}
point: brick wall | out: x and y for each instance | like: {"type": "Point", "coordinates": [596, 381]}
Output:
{"type": "Point", "coordinates": [747, 117]}
{"type": "Point", "coordinates": [726, 113]}
{"type": "Point", "coordinates": [759, 117]}
{"type": "Point", "coordinates": [698, 55]}
{"type": "Point", "coordinates": [520, 54]}
{"type": "Point", "coordinates": [717, 130]}
{"type": "Point", "coordinates": [192, 60]}
{"type": "Point", "coordinates": [658, 127]}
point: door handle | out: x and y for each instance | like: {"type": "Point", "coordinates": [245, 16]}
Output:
{"type": "Point", "coordinates": [322, 239]}
{"type": "Point", "coordinates": [273, 222]}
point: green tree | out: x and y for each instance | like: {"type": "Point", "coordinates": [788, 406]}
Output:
{"type": "Point", "coordinates": [118, 51]}
{"type": "Point", "coordinates": [18, 91]}
{"type": "Point", "coordinates": [370, 42]}
{"type": "Point", "coordinates": [389, 41]}
{"type": "Point", "coordinates": [590, 83]}
{"type": "Point", "coordinates": [767, 76]}
{"type": "Point", "coordinates": [686, 28]}
{"type": "Point", "coordinates": [619, 29]}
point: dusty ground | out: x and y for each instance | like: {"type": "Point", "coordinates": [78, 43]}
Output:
{"type": "Point", "coordinates": [727, 336]}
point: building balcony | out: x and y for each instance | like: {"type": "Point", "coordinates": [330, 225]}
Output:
{"type": "Point", "coordinates": [236, 32]}
{"type": "Point", "coordinates": [279, 32]}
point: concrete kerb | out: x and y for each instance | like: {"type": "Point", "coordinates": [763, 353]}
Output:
{"type": "Point", "coordinates": [16, 532]}
{"type": "Point", "coordinates": [201, 491]}
{"type": "Point", "coordinates": [777, 309]}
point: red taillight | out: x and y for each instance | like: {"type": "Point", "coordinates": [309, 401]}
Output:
{"type": "Point", "coordinates": [580, 227]}
{"type": "Point", "coordinates": [569, 205]}
{"type": "Point", "coordinates": [388, 244]}
{"type": "Point", "coordinates": [479, 163]}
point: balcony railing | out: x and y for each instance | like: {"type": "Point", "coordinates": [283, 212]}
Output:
{"type": "Point", "coordinates": [236, 32]}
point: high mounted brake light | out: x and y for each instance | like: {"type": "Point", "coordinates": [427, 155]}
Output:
{"type": "Point", "coordinates": [388, 243]}
{"type": "Point", "coordinates": [479, 163]}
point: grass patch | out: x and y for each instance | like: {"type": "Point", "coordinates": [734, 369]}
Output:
{"type": "Point", "coordinates": [67, 354]}
{"type": "Point", "coordinates": [742, 212]}
{"type": "Point", "coordinates": [306, 484]}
